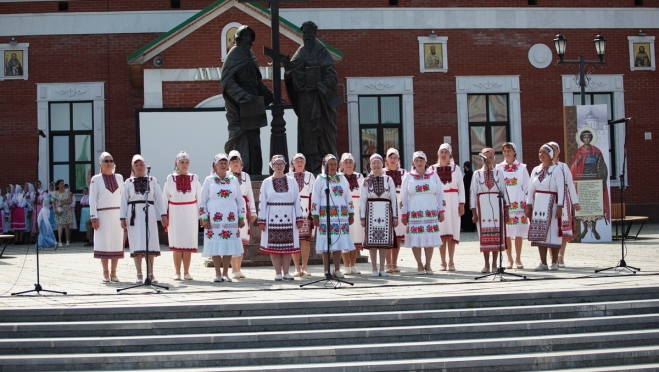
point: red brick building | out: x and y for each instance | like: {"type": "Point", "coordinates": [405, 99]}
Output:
{"type": "Point", "coordinates": [88, 65]}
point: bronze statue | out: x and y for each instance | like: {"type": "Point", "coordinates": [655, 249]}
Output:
{"type": "Point", "coordinates": [245, 98]}
{"type": "Point", "coordinates": [311, 83]}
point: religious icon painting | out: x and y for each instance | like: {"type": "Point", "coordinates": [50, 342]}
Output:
{"type": "Point", "coordinates": [432, 54]}
{"type": "Point", "coordinates": [14, 61]}
{"type": "Point", "coordinates": [641, 53]}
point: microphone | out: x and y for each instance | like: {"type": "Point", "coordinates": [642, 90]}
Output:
{"type": "Point", "coordinates": [483, 156]}
{"type": "Point", "coordinates": [618, 121]}
{"type": "Point", "coordinates": [148, 169]}
{"type": "Point", "coordinates": [42, 134]}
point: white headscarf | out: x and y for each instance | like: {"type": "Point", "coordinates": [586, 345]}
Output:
{"type": "Point", "coordinates": [297, 156]}
{"type": "Point", "coordinates": [327, 158]}
{"type": "Point", "coordinates": [447, 147]}
{"type": "Point", "coordinates": [135, 159]}
{"type": "Point", "coordinates": [344, 156]}
{"type": "Point", "coordinates": [419, 154]}
{"type": "Point", "coordinates": [548, 149]}
{"type": "Point", "coordinates": [217, 159]}
{"type": "Point", "coordinates": [276, 158]}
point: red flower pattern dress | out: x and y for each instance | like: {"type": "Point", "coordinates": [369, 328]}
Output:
{"type": "Point", "coordinates": [340, 208]}
{"type": "Point", "coordinates": [517, 183]}
{"type": "Point", "coordinates": [222, 204]}
{"type": "Point", "coordinates": [422, 198]}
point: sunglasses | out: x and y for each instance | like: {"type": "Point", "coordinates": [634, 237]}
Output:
{"type": "Point", "coordinates": [108, 161]}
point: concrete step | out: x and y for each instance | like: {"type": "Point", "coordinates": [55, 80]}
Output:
{"type": "Point", "coordinates": [285, 308]}
{"type": "Point", "coordinates": [497, 354]}
{"type": "Point", "coordinates": [356, 336]}
{"type": "Point", "coordinates": [322, 321]}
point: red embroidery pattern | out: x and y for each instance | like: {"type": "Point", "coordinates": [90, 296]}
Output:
{"type": "Point", "coordinates": [299, 177]}
{"type": "Point", "coordinates": [183, 183]}
{"type": "Point", "coordinates": [280, 184]}
{"type": "Point", "coordinates": [489, 179]}
{"type": "Point", "coordinates": [397, 176]}
{"type": "Point", "coordinates": [445, 173]}
{"type": "Point", "coordinates": [352, 181]}
{"type": "Point", "coordinates": [110, 182]}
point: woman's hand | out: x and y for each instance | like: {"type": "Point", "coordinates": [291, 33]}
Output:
{"type": "Point", "coordinates": [474, 216]}
{"type": "Point", "coordinates": [123, 224]}
{"type": "Point", "coordinates": [316, 221]}
{"type": "Point", "coordinates": [559, 213]}
{"type": "Point", "coordinates": [241, 223]}
{"type": "Point", "coordinates": [351, 219]}
{"type": "Point", "coordinates": [528, 211]}
{"type": "Point", "coordinates": [441, 216]}
{"type": "Point", "coordinates": [461, 210]}
{"type": "Point", "coordinates": [363, 222]}
{"type": "Point", "coordinates": [206, 224]}
{"type": "Point", "coordinates": [405, 220]}
{"type": "Point", "coordinates": [299, 224]}
{"type": "Point", "coordinates": [95, 224]}
{"type": "Point", "coordinates": [262, 226]}
{"type": "Point", "coordinates": [164, 220]}
{"type": "Point", "coordinates": [395, 222]}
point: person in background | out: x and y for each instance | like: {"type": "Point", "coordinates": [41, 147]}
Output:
{"type": "Point", "coordinates": [62, 200]}
{"type": "Point", "coordinates": [245, 182]}
{"type": "Point", "coordinates": [347, 167]}
{"type": "Point", "coordinates": [393, 170]}
{"type": "Point", "coordinates": [305, 181]}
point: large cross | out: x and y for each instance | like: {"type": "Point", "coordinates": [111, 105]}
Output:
{"type": "Point", "coordinates": [278, 143]}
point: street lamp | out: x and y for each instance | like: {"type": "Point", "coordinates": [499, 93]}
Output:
{"type": "Point", "coordinates": [582, 76]}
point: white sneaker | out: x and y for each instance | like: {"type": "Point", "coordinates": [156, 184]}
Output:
{"type": "Point", "coordinates": [217, 279]}
{"type": "Point", "coordinates": [375, 273]}
{"type": "Point", "coordinates": [554, 267]}
{"type": "Point", "coordinates": [278, 277]}
{"type": "Point", "coordinates": [355, 271]}
{"type": "Point", "coordinates": [177, 277]}
{"type": "Point", "coordinates": [226, 279]}
{"type": "Point", "coordinates": [338, 274]}
{"type": "Point", "coordinates": [347, 270]}
{"type": "Point", "coordinates": [288, 277]}
{"type": "Point", "coordinates": [542, 267]}
{"type": "Point", "coordinates": [296, 274]}
{"type": "Point", "coordinates": [383, 273]}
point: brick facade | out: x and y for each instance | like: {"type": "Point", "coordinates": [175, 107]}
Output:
{"type": "Point", "coordinates": [91, 58]}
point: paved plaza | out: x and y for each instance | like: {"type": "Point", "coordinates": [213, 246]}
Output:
{"type": "Point", "coordinates": [74, 270]}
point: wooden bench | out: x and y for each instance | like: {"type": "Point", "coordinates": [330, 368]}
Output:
{"type": "Point", "coordinates": [6, 238]}
{"type": "Point", "coordinates": [619, 217]}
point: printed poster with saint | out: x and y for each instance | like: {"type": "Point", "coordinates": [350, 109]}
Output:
{"type": "Point", "coordinates": [587, 139]}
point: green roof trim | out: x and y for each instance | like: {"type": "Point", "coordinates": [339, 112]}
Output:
{"type": "Point", "coordinates": [175, 29]}
{"type": "Point", "coordinates": [208, 9]}
{"type": "Point", "coordinates": [296, 28]}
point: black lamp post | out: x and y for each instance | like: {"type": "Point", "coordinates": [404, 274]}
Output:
{"type": "Point", "coordinates": [560, 42]}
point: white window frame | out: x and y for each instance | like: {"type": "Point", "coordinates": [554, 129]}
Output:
{"type": "Point", "coordinates": [504, 84]}
{"type": "Point", "coordinates": [604, 83]}
{"type": "Point", "coordinates": [69, 92]}
{"type": "Point", "coordinates": [391, 85]}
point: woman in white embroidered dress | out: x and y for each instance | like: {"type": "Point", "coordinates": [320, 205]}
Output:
{"type": "Point", "coordinates": [517, 183]}
{"type": "Point", "coordinates": [104, 199]}
{"type": "Point", "coordinates": [486, 184]}
{"type": "Point", "coordinates": [347, 167]}
{"type": "Point", "coordinates": [422, 197]}
{"type": "Point", "coordinates": [378, 200]}
{"type": "Point", "coordinates": [236, 166]}
{"type": "Point", "coordinates": [341, 214]}
{"type": "Point", "coordinates": [182, 191]}
{"type": "Point", "coordinates": [139, 190]}
{"type": "Point", "coordinates": [544, 206]}
{"type": "Point", "coordinates": [280, 217]}
{"type": "Point", "coordinates": [222, 213]}
{"type": "Point", "coordinates": [450, 176]}
{"type": "Point", "coordinates": [84, 211]}
{"type": "Point", "coordinates": [18, 221]}
{"type": "Point", "coordinates": [393, 170]}
{"type": "Point", "coordinates": [305, 181]}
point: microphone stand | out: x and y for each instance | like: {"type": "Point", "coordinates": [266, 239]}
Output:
{"type": "Point", "coordinates": [147, 280]}
{"type": "Point", "coordinates": [502, 226]}
{"type": "Point", "coordinates": [330, 280]}
{"type": "Point", "coordinates": [622, 264]}
{"type": "Point", "coordinates": [37, 285]}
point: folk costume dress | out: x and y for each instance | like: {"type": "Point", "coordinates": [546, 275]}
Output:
{"type": "Point", "coordinates": [104, 203]}
{"type": "Point", "coordinates": [3, 223]}
{"type": "Point", "coordinates": [40, 195]}
{"type": "Point", "coordinates": [46, 237]}
{"type": "Point", "coordinates": [422, 198]}
{"type": "Point", "coordinates": [453, 186]}
{"type": "Point", "coordinates": [546, 193]}
{"type": "Point", "coordinates": [355, 181]}
{"type": "Point", "coordinates": [517, 184]}
{"type": "Point", "coordinates": [485, 186]}
{"type": "Point", "coordinates": [132, 211]}
{"type": "Point", "coordinates": [6, 208]}
{"type": "Point", "coordinates": [305, 181]}
{"type": "Point", "coordinates": [221, 203]}
{"type": "Point", "coordinates": [379, 207]}
{"type": "Point", "coordinates": [30, 197]}
{"type": "Point", "coordinates": [397, 176]}
{"type": "Point", "coordinates": [18, 204]}
{"type": "Point", "coordinates": [84, 212]}
{"type": "Point", "coordinates": [250, 206]}
{"type": "Point", "coordinates": [182, 193]}
{"type": "Point", "coordinates": [279, 212]}
{"type": "Point", "coordinates": [341, 208]}
{"type": "Point", "coordinates": [571, 198]}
